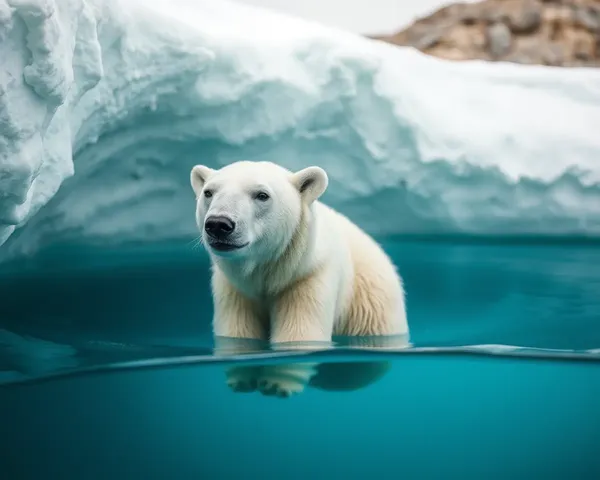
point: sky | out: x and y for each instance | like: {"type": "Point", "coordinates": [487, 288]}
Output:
{"type": "Point", "coordinates": [358, 16]}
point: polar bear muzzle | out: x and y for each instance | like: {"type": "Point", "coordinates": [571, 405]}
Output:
{"type": "Point", "coordinates": [219, 227]}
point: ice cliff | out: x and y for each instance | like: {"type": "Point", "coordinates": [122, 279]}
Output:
{"type": "Point", "coordinates": [106, 104]}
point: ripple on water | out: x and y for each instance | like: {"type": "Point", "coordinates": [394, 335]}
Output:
{"type": "Point", "coordinates": [25, 359]}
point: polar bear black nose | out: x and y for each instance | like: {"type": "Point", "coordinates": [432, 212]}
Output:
{"type": "Point", "coordinates": [219, 227]}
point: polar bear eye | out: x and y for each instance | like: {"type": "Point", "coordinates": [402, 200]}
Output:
{"type": "Point", "coordinates": [207, 193]}
{"type": "Point", "coordinates": [262, 196]}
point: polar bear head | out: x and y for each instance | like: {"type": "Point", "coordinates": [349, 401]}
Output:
{"type": "Point", "coordinates": [252, 209]}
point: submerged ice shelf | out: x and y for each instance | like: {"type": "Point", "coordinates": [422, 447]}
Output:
{"type": "Point", "coordinates": [106, 104]}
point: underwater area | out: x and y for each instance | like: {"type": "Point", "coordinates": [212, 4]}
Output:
{"type": "Point", "coordinates": [110, 373]}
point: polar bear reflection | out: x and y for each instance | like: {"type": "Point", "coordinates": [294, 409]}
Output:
{"type": "Point", "coordinates": [286, 379]}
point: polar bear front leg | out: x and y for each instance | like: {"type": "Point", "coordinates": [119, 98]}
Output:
{"type": "Point", "coordinates": [236, 315]}
{"type": "Point", "coordinates": [303, 313]}
{"type": "Point", "coordinates": [238, 327]}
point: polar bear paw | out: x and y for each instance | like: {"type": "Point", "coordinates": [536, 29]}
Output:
{"type": "Point", "coordinates": [281, 388]}
{"type": "Point", "coordinates": [283, 381]}
{"type": "Point", "coordinates": [243, 379]}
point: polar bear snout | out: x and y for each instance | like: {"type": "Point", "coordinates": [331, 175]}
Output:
{"type": "Point", "coordinates": [219, 227]}
{"type": "Point", "coordinates": [222, 235]}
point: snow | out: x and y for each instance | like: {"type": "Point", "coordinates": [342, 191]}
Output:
{"type": "Point", "coordinates": [105, 105]}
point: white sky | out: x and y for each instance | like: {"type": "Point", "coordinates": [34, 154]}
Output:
{"type": "Point", "coordinates": [359, 16]}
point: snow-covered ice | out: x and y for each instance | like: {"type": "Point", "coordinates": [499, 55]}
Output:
{"type": "Point", "coordinates": [106, 104]}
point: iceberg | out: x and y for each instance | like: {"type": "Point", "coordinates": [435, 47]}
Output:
{"type": "Point", "coordinates": [105, 105]}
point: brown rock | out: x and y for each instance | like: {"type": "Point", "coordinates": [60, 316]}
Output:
{"type": "Point", "coordinates": [547, 32]}
{"type": "Point", "coordinates": [526, 18]}
{"type": "Point", "coordinates": [429, 39]}
{"type": "Point", "coordinates": [587, 18]}
{"type": "Point", "coordinates": [553, 54]}
{"type": "Point", "coordinates": [520, 57]}
{"type": "Point", "coordinates": [498, 39]}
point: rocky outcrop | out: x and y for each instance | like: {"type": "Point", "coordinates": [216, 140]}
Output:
{"type": "Point", "coordinates": [546, 32]}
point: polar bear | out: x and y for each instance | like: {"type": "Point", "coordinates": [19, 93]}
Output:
{"type": "Point", "coordinates": [287, 268]}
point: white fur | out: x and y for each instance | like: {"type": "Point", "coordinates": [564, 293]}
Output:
{"type": "Point", "coordinates": [306, 272]}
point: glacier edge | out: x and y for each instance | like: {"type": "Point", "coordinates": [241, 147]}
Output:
{"type": "Point", "coordinates": [123, 97]}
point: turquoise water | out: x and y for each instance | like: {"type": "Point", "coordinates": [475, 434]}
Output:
{"type": "Point", "coordinates": [109, 373]}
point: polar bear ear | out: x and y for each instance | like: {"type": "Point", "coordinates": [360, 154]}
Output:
{"type": "Point", "coordinates": [311, 182]}
{"type": "Point", "coordinates": [199, 176]}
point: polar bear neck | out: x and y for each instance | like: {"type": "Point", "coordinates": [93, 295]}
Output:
{"type": "Point", "coordinates": [294, 261]}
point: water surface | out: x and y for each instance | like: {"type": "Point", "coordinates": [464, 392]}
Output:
{"type": "Point", "coordinates": [110, 373]}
